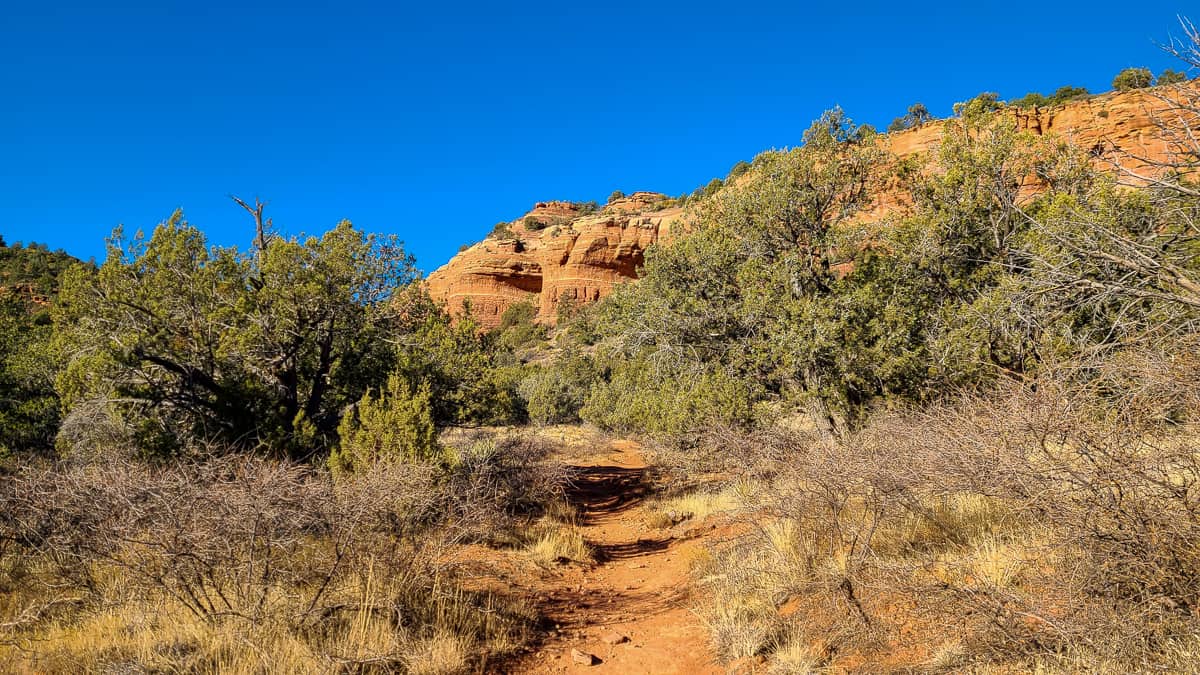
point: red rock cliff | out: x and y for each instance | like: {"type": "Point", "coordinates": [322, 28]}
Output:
{"type": "Point", "coordinates": [554, 251]}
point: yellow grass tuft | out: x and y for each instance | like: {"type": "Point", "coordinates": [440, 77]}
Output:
{"type": "Point", "coordinates": [696, 506]}
{"type": "Point", "coordinates": [794, 657]}
{"type": "Point", "coordinates": [947, 657]}
{"type": "Point", "coordinates": [556, 544]}
{"type": "Point", "coordinates": [443, 654]}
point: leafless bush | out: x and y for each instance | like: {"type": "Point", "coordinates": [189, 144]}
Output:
{"type": "Point", "coordinates": [724, 451]}
{"type": "Point", "coordinates": [273, 546]}
{"type": "Point", "coordinates": [1055, 517]}
{"type": "Point", "coordinates": [221, 536]}
{"type": "Point", "coordinates": [1105, 468]}
{"type": "Point", "coordinates": [499, 481]}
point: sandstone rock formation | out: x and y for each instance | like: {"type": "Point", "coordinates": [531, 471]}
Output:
{"type": "Point", "coordinates": [558, 251]}
{"type": "Point", "coordinates": [573, 255]}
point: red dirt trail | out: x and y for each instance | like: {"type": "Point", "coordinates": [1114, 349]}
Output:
{"type": "Point", "coordinates": [638, 588]}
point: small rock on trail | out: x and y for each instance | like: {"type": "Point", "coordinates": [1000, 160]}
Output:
{"type": "Point", "coordinates": [583, 658]}
{"type": "Point", "coordinates": [614, 638]}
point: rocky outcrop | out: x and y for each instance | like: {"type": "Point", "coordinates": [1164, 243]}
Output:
{"type": "Point", "coordinates": [1114, 127]}
{"type": "Point", "coordinates": [558, 250]}
{"type": "Point", "coordinates": [554, 252]}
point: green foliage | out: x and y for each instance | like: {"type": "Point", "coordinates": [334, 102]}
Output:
{"type": "Point", "coordinates": [517, 328]}
{"type": "Point", "coordinates": [917, 115]}
{"type": "Point", "coordinates": [555, 394]}
{"type": "Point", "coordinates": [463, 367]}
{"type": "Point", "coordinates": [518, 314]}
{"type": "Point", "coordinates": [616, 194]}
{"type": "Point", "coordinates": [1169, 76]}
{"type": "Point", "coordinates": [1031, 100]}
{"type": "Point", "coordinates": [758, 303]}
{"type": "Point", "coordinates": [1133, 78]}
{"type": "Point", "coordinates": [954, 264]}
{"type": "Point", "coordinates": [33, 270]}
{"type": "Point", "coordinates": [789, 207]}
{"type": "Point", "coordinates": [981, 105]}
{"type": "Point", "coordinates": [28, 404]}
{"type": "Point", "coordinates": [738, 169]}
{"type": "Point", "coordinates": [865, 132]}
{"type": "Point", "coordinates": [638, 398]}
{"type": "Point", "coordinates": [1062, 95]}
{"type": "Point", "coordinates": [394, 425]}
{"type": "Point", "coordinates": [576, 322]}
{"type": "Point", "coordinates": [711, 188]}
{"type": "Point", "coordinates": [534, 224]}
{"type": "Point", "coordinates": [1067, 93]}
{"type": "Point", "coordinates": [179, 343]}
{"type": "Point", "coordinates": [693, 332]}
{"type": "Point", "coordinates": [29, 407]}
{"type": "Point", "coordinates": [502, 231]}
{"type": "Point", "coordinates": [1116, 265]}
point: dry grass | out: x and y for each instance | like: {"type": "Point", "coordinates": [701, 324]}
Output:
{"type": "Point", "coordinates": [249, 566]}
{"type": "Point", "coordinates": [441, 654]}
{"type": "Point", "coordinates": [553, 544]}
{"type": "Point", "coordinates": [744, 585]}
{"type": "Point", "coordinates": [699, 505]}
{"type": "Point", "coordinates": [1048, 530]}
{"type": "Point", "coordinates": [947, 657]}
{"type": "Point", "coordinates": [793, 656]}
{"type": "Point", "coordinates": [442, 629]}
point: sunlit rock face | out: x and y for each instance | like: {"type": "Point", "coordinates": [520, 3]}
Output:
{"type": "Point", "coordinates": [554, 252]}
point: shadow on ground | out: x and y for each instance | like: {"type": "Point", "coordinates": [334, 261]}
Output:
{"type": "Point", "coordinates": [603, 490]}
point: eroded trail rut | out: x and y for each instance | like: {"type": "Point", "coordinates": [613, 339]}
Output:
{"type": "Point", "coordinates": [638, 589]}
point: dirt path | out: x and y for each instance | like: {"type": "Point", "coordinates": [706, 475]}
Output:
{"type": "Point", "coordinates": [637, 590]}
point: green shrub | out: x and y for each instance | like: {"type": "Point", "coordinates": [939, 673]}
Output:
{"type": "Point", "coordinates": [1169, 76]}
{"type": "Point", "coordinates": [395, 424]}
{"type": "Point", "coordinates": [673, 405]}
{"type": "Point", "coordinates": [461, 364]}
{"type": "Point", "coordinates": [29, 407]}
{"type": "Point", "coordinates": [917, 115]}
{"type": "Point", "coordinates": [616, 194]}
{"type": "Point", "coordinates": [1133, 78]}
{"type": "Point", "coordinates": [982, 104]}
{"type": "Point", "coordinates": [261, 349]}
{"type": "Point", "coordinates": [517, 314]}
{"type": "Point", "coordinates": [1066, 94]}
{"type": "Point", "coordinates": [555, 394]}
{"type": "Point", "coordinates": [738, 169]}
{"type": "Point", "coordinates": [517, 328]}
{"type": "Point", "coordinates": [578, 322]}
{"type": "Point", "coordinates": [1062, 95]}
{"type": "Point", "coordinates": [711, 188]}
{"type": "Point", "coordinates": [502, 231]}
{"type": "Point", "coordinates": [1031, 100]}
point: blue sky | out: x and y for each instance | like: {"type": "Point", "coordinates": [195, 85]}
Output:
{"type": "Point", "coordinates": [435, 121]}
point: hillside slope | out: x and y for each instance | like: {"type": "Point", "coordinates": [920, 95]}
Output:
{"type": "Point", "coordinates": [581, 256]}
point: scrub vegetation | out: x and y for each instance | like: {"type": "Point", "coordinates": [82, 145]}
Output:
{"type": "Point", "coordinates": [963, 437]}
